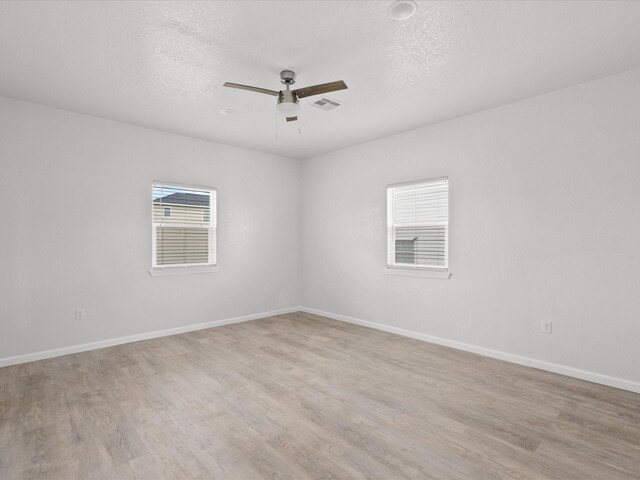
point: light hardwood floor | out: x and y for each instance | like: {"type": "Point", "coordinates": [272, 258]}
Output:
{"type": "Point", "coordinates": [299, 396]}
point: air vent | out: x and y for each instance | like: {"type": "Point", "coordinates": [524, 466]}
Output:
{"type": "Point", "coordinates": [326, 103]}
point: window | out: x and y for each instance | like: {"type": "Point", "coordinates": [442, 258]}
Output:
{"type": "Point", "coordinates": [418, 225]}
{"type": "Point", "coordinates": [187, 235]}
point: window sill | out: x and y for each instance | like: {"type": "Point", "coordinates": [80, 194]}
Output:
{"type": "Point", "coordinates": [418, 272]}
{"type": "Point", "coordinates": [162, 271]}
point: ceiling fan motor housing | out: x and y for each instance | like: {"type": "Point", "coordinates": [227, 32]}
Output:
{"type": "Point", "coordinates": [288, 77]}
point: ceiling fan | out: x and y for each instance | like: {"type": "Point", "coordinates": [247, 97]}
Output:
{"type": "Point", "coordinates": [288, 99]}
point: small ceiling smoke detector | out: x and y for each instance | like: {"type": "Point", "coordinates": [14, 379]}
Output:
{"type": "Point", "coordinates": [226, 111]}
{"type": "Point", "coordinates": [402, 9]}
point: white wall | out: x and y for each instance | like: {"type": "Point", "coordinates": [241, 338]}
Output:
{"type": "Point", "coordinates": [545, 224]}
{"type": "Point", "coordinates": [75, 213]}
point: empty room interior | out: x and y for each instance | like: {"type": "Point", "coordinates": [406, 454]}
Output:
{"type": "Point", "coordinates": [384, 240]}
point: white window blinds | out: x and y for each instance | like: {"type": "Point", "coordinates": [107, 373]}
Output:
{"type": "Point", "coordinates": [184, 226]}
{"type": "Point", "coordinates": [418, 225]}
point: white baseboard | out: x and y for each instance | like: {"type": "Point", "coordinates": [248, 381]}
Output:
{"type": "Point", "coordinates": [487, 352]}
{"type": "Point", "coordinates": [31, 357]}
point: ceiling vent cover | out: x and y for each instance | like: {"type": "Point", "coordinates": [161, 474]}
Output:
{"type": "Point", "coordinates": [326, 103]}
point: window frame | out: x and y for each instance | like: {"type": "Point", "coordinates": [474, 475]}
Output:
{"type": "Point", "coordinates": [175, 269]}
{"type": "Point", "coordinates": [415, 269]}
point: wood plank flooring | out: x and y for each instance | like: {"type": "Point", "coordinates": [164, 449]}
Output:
{"type": "Point", "coordinates": [303, 397]}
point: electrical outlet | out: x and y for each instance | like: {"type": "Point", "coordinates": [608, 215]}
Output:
{"type": "Point", "coordinates": [547, 326]}
{"type": "Point", "coordinates": [80, 314]}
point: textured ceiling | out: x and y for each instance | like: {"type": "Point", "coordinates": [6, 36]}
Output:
{"type": "Point", "coordinates": [162, 64]}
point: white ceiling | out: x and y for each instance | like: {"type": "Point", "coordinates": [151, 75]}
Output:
{"type": "Point", "coordinates": [162, 64]}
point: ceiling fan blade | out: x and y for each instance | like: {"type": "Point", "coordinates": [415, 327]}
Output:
{"type": "Point", "coordinates": [292, 119]}
{"type": "Point", "coordinates": [251, 89]}
{"type": "Point", "coordinates": [318, 89]}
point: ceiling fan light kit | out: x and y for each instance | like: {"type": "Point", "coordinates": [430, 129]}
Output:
{"type": "Point", "coordinates": [288, 104]}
